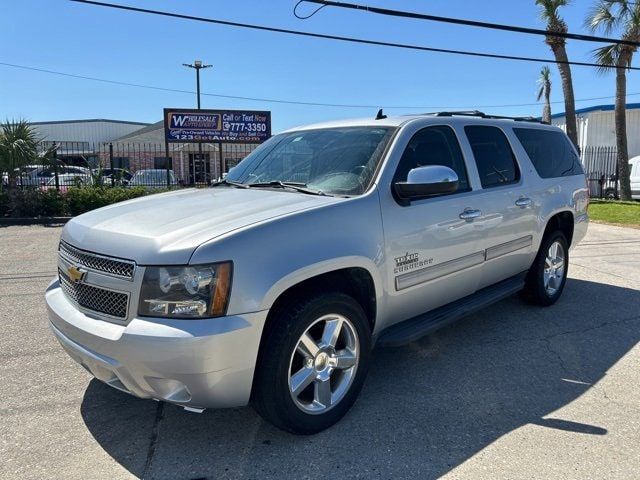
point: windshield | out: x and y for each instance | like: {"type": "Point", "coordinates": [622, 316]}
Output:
{"type": "Point", "coordinates": [152, 176]}
{"type": "Point", "coordinates": [335, 161]}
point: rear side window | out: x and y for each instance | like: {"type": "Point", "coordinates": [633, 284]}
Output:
{"type": "Point", "coordinates": [495, 160]}
{"type": "Point", "coordinates": [550, 152]}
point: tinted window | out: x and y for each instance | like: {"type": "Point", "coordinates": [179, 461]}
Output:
{"type": "Point", "coordinates": [433, 146]}
{"type": "Point", "coordinates": [550, 152]}
{"type": "Point", "coordinates": [494, 157]}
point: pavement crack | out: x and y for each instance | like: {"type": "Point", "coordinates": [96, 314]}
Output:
{"type": "Point", "coordinates": [153, 440]}
{"type": "Point", "coordinates": [555, 353]}
{"type": "Point", "coordinates": [593, 327]}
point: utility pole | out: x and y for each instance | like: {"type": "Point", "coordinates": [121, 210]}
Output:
{"type": "Point", "coordinates": [197, 65]}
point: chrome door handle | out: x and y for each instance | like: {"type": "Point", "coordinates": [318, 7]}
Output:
{"type": "Point", "coordinates": [523, 202]}
{"type": "Point", "coordinates": [470, 214]}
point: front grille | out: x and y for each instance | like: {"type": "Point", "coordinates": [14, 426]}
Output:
{"type": "Point", "coordinates": [116, 267]}
{"type": "Point", "coordinates": [96, 299]}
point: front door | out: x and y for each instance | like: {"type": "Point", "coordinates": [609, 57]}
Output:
{"type": "Point", "coordinates": [433, 256]}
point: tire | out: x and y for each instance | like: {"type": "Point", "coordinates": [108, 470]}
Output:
{"type": "Point", "coordinates": [300, 403]}
{"type": "Point", "coordinates": [610, 194]}
{"type": "Point", "coordinates": [546, 291]}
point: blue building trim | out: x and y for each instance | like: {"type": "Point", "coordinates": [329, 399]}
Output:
{"type": "Point", "coordinates": [598, 108]}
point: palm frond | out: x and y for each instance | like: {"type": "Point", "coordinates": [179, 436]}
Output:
{"type": "Point", "coordinates": [603, 17]}
{"type": "Point", "coordinates": [607, 57]}
{"type": "Point", "coordinates": [549, 10]}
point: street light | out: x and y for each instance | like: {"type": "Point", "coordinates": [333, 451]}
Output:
{"type": "Point", "coordinates": [197, 66]}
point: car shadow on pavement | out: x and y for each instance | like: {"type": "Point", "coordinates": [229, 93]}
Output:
{"type": "Point", "coordinates": [426, 407]}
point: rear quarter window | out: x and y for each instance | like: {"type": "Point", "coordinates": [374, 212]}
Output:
{"type": "Point", "coordinates": [550, 152]}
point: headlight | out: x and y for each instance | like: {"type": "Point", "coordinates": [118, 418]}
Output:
{"type": "Point", "coordinates": [192, 291]}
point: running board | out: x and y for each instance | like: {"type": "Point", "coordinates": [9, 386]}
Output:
{"type": "Point", "coordinates": [426, 323]}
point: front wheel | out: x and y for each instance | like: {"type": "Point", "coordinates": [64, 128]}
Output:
{"type": "Point", "coordinates": [548, 274]}
{"type": "Point", "coordinates": [312, 363]}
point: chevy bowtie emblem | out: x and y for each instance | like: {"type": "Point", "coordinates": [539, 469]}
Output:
{"type": "Point", "coordinates": [75, 274]}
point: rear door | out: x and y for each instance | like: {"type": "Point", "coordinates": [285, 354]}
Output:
{"type": "Point", "coordinates": [509, 209]}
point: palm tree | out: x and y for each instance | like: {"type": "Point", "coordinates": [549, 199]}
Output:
{"type": "Point", "coordinates": [609, 16]}
{"type": "Point", "coordinates": [549, 12]}
{"type": "Point", "coordinates": [544, 89]}
{"type": "Point", "coordinates": [19, 147]}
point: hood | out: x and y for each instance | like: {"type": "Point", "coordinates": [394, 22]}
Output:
{"type": "Point", "coordinates": [165, 229]}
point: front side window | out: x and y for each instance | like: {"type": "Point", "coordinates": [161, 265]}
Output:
{"type": "Point", "coordinates": [495, 160]}
{"type": "Point", "coordinates": [436, 145]}
{"type": "Point", "coordinates": [336, 161]}
{"type": "Point", "coordinates": [550, 152]}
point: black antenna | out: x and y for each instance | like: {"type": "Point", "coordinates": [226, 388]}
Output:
{"type": "Point", "coordinates": [380, 115]}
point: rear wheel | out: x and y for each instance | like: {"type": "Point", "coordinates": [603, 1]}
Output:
{"type": "Point", "coordinates": [548, 274]}
{"type": "Point", "coordinates": [312, 363]}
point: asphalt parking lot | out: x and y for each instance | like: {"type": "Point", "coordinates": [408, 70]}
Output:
{"type": "Point", "coordinates": [512, 392]}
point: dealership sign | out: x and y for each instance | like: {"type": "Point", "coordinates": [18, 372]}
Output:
{"type": "Point", "coordinates": [186, 125]}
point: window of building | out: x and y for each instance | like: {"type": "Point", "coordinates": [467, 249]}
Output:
{"type": "Point", "coordinates": [161, 162]}
{"type": "Point", "coordinates": [436, 145]}
{"type": "Point", "coordinates": [494, 158]}
{"type": "Point", "coordinates": [550, 152]}
{"type": "Point", "coordinates": [121, 162]}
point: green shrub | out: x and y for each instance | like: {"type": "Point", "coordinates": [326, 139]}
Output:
{"type": "Point", "coordinates": [83, 199]}
{"type": "Point", "coordinates": [4, 203]}
{"type": "Point", "coordinates": [34, 202]}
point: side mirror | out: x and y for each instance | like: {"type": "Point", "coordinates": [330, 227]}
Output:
{"type": "Point", "coordinates": [427, 181]}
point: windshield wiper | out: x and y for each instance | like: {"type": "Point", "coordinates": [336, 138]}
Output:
{"type": "Point", "coordinates": [297, 186]}
{"type": "Point", "coordinates": [224, 181]}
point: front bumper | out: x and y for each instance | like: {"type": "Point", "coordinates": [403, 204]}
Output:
{"type": "Point", "coordinates": [195, 363]}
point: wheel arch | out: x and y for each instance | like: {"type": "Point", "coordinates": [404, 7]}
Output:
{"type": "Point", "coordinates": [355, 280]}
{"type": "Point", "coordinates": [563, 221]}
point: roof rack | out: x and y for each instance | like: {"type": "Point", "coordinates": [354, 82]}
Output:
{"type": "Point", "coordinates": [479, 114]}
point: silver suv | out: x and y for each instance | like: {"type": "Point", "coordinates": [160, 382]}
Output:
{"type": "Point", "coordinates": [272, 286]}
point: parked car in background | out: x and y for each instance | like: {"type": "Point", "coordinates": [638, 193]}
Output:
{"type": "Point", "coordinates": [634, 165]}
{"type": "Point", "coordinates": [613, 193]}
{"type": "Point", "coordinates": [152, 177]}
{"type": "Point", "coordinates": [39, 175]}
{"type": "Point", "coordinates": [273, 285]}
{"type": "Point", "coordinates": [67, 181]}
{"type": "Point", "coordinates": [117, 176]}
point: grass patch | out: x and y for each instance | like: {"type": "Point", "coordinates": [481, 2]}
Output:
{"type": "Point", "coordinates": [615, 213]}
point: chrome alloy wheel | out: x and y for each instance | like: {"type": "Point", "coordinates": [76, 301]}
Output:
{"type": "Point", "coordinates": [554, 268]}
{"type": "Point", "coordinates": [323, 364]}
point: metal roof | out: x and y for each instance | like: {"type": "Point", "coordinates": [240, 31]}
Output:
{"type": "Point", "coordinates": [598, 108]}
{"type": "Point", "coordinates": [90, 120]}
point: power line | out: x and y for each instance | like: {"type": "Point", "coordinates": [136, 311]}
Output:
{"type": "Point", "coordinates": [289, 102]}
{"type": "Point", "coordinates": [341, 38]}
{"type": "Point", "coordinates": [471, 23]}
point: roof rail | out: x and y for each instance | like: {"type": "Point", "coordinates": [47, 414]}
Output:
{"type": "Point", "coordinates": [477, 113]}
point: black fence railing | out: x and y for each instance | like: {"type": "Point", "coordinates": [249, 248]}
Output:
{"type": "Point", "coordinates": [601, 168]}
{"type": "Point", "coordinates": [189, 164]}
{"type": "Point", "coordinates": [131, 164]}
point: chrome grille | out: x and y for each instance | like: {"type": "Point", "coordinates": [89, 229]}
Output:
{"type": "Point", "coordinates": [116, 267]}
{"type": "Point", "coordinates": [93, 298]}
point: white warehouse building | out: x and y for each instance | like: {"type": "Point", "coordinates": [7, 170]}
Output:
{"type": "Point", "coordinates": [596, 127]}
{"type": "Point", "coordinates": [88, 131]}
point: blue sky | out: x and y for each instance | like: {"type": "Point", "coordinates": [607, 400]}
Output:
{"type": "Point", "coordinates": [131, 47]}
